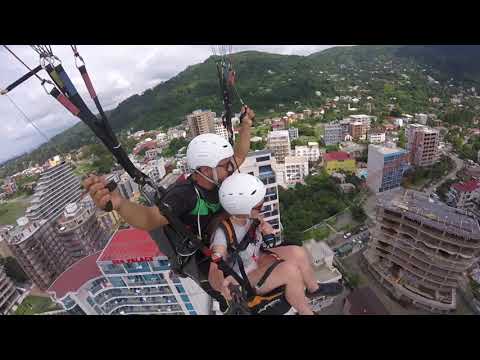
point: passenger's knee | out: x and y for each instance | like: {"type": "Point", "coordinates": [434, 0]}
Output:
{"type": "Point", "coordinates": [290, 270]}
{"type": "Point", "coordinates": [300, 254]}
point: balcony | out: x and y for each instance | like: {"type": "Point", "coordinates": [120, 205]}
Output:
{"type": "Point", "coordinates": [163, 309]}
{"type": "Point", "coordinates": [141, 301]}
{"type": "Point", "coordinates": [140, 311]}
{"type": "Point", "coordinates": [132, 292]}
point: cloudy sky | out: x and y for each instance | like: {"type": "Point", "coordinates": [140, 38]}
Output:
{"type": "Point", "coordinates": [116, 71]}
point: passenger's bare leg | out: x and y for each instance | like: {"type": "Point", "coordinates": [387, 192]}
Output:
{"type": "Point", "coordinates": [301, 258]}
{"type": "Point", "coordinates": [284, 274]}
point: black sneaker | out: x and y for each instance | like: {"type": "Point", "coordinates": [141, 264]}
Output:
{"type": "Point", "coordinates": [328, 289]}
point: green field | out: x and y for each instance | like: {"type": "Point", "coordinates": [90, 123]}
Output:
{"type": "Point", "coordinates": [12, 210]}
{"type": "Point", "coordinates": [36, 305]}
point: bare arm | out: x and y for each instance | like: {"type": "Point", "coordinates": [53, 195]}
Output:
{"type": "Point", "coordinates": [242, 146]}
{"type": "Point", "coordinates": [139, 216]}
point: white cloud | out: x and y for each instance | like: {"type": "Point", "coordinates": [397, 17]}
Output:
{"type": "Point", "coordinates": [117, 71]}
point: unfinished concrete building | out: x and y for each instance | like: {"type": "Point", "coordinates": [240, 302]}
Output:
{"type": "Point", "coordinates": [420, 249]}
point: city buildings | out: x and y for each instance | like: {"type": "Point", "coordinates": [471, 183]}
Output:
{"type": "Point", "coordinates": [334, 134]}
{"type": "Point", "coordinates": [376, 137]}
{"type": "Point", "coordinates": [37, 250]}
{"type": "Point", "coordinates": [358, 130]}
{"type": "Point", "coordinates": [421, 118]}
{"type": "Point", "coordinates": [293, 133]}
{"type": "Point", "coordinates": [79, 231]}
{"type": "Point", "coordinates": [338, 161]}
{"type": "Point", "coordinates": [311, 151]}
{"type": "Point", "coordinates": [9, 186]}
{"type": "Point", "coordinates": [323, 268]}
{"type": "Point", "coordinates": [279, 143]}
{"type": "Point", "coordinates": [220, 129]}
{"type": "Point", "coordinates": [130, 276]}
{"type": "Point", "coordinates": [420, 249]}
{"type": "Point", "coordinates": [260, 164]}
{"type": "Point", "coordinates": [465, 195]}
{"type": "Point", "coordinates": [386, 166]}
{"type": "Point", "coordinates": [296, 169]}
{"type": "Point", "coordinates": [9, 295]}
{"type": "Point", "coordinates": [422, 143]}
{"type": "Point", "coordinates": [176, 133]}
{"type": "Point", "coordinates": [201, 122]}
{"type": "Point", "coordinates": [56, 188]}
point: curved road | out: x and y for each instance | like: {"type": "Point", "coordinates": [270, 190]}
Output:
{"type": "Point", "coordinates": [459, 164]}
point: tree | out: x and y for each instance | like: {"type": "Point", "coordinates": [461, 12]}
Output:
{"type": "Point", "coordinates": [174, 146]}
{"type": "Point", "coordinates": [258, 145]}
{"type": "Point", "coordinates": [358, 213]}
{"type": "Point", "coordinates": [13, 269]}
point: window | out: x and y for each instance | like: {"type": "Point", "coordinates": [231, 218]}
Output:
{"type": "Point", "coordinates": [265, 169]}
{"type": "Point", "coordinates": [180, 288]}
{"type": "Point", "coordinates": [263, 158]}
{"type": "Point", "coordinates": [117, 281]}
{"type": "Point", "coordinates": [185, 298]}
{"type": "Point", "coordinates": [189, 306]}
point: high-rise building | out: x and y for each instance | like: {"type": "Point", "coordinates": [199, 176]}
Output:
{"type": "Point", "coordinates": [311, 151]}
{"type": "Point", "coordinates": [358, 130]}
{"type": "Point", "coordinates": [334, 134]}
{"type": "Point", "coordinates": [296, 169]}
{"type": "Point", "coordinates": [8, 293]}
{"type": "Point", "coordinates": [422, 143]}
{"type": "Point", "coordinates": [279, 143]}
{"type": "Point", "coordinates": [79, 231]}
{"type": "Point", "coordinates": [201, 122]}
{"type": "Point", "coordinates": [220, 129]}
{"type": "Point", "coordinates": [260, 164]}
{"type": "Point", "coordinates": [130, 276]}
{"type": "Point", "coordinates": [420, 249]}
{"type": "Point", "coordinates": [56, 188]}
{"type": "Point", "coordinates": [155, 169]}
{"type": "Point", "coordinates": [386, 167]}
{"type": "Point", "coordinates": [37, 250]}
{"type": "Point", "coordinates": [293, 133]}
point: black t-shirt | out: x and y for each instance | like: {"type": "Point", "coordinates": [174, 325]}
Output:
{"type": "Point", "coordinates": [191, 207]}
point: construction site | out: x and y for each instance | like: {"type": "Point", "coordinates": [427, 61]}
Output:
{"type": "Point", "coordinates": [421, 248]}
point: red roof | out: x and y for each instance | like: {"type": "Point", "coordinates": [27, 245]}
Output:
{"type": "Point", "coordinates": [467, 186]}
{"type": "Point", "coordinates": [336, 155]}
{"type": "Point", "coordinates": [129, 244]}
{"type": "Point", "coordinates": [76, 275]}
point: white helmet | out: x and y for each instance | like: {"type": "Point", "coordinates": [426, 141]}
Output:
{"type": "Point", "coordinates": [240, 193]}
{"type": "Point", "coordinates": [207, 150]}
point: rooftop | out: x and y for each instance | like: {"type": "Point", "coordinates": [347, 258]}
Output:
{"type": "Point", "coordinates": [278, 134]}
{"type": "Point", "coordinates": [467, 186]}
{"type": "Point", "coordinates": [431, 212]}
{"type": "Point", "coordinates": [76, 275]}
{"type": "Point", "coordinates": [130, 243]}
{"type": "Point", "coordinates": [259, 153]}
{"type": "Point", "coordinates": [363, 301]}
{"type": "Point", "coordinates": [295, 160]}
{"type": "Point", "coordinates": [387, 150]}
{"type": "Point", "coordinates": [336, 155]}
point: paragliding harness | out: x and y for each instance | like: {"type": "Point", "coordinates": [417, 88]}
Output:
{"type": "Point", "coordinates": [246, 300]}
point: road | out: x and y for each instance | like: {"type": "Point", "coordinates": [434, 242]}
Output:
{"type": "Point", "coordinates": [459, 164]}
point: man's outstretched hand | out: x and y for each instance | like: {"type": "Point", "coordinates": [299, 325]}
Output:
{"type": "Point", "coordinates": [96, 186]}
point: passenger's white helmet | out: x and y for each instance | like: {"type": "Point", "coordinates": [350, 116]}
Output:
{"type": "Point", "coordinates": [240, 193]}
{"type": "Point", "coordinates": [207, 150]}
